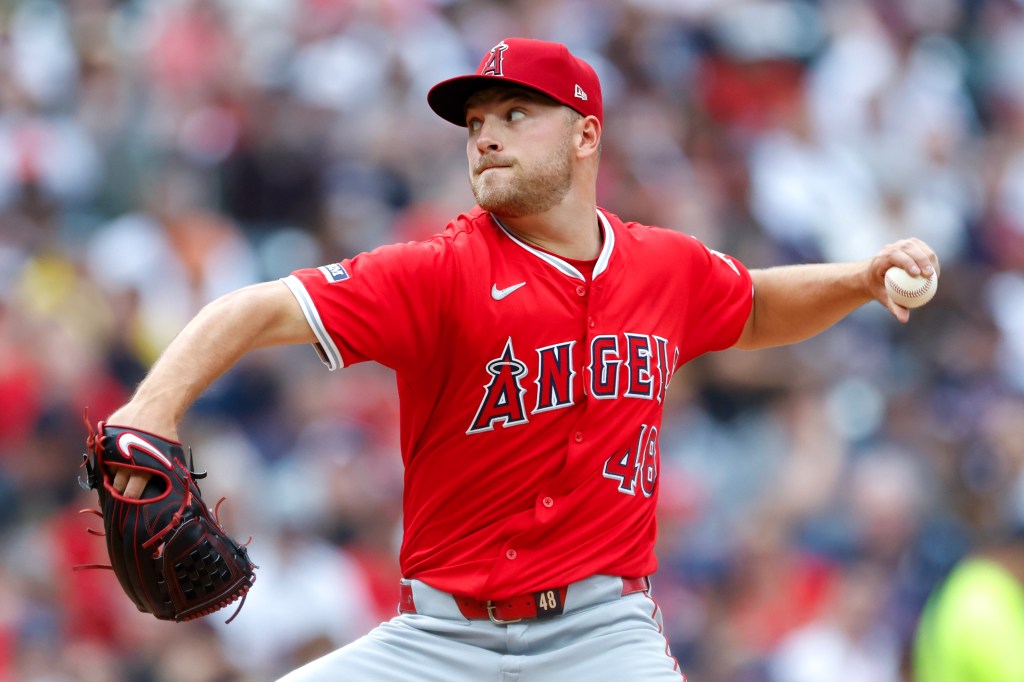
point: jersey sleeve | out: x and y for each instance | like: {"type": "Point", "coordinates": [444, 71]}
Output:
{"type": "Point", "coordinates": [718, 298]}
{"type": "Point", "coordinates": [385, 305]}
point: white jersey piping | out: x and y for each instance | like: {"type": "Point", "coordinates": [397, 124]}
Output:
{"type": "Point", "coordinates": [561, 265]}
{"type": "Point", "coordinates": [325, 346]}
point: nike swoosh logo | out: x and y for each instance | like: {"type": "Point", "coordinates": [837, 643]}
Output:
{"type": "Point", "coordinates": [498, 294]}
{"type": "Point", "coordinates": [126, 441]}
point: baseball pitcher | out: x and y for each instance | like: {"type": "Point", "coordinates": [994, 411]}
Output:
{"type": "Point", "coordinates": [533, 339]}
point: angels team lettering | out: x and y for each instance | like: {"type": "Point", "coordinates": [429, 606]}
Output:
{"type": "Point", "coordinates": [619, 365]}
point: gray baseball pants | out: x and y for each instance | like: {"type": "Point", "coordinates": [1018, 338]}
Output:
{"type": "Point", "coordinates": [602, 636]}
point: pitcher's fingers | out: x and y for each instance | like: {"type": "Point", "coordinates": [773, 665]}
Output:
{"type": "Point", "coordinates": [121, 477]}
{"type": "Point", "coordinates": [899, 312]}
{"type": "Point", "coordinates": [136, 484]}
{"type": "Point", "coordinates": [915, 257]}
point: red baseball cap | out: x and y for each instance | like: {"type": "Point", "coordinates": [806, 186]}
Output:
{"type": "Point", "coordinates": [543, 66]}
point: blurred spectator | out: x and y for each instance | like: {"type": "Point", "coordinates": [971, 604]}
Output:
{"type": "Point", "coordinates": [850, 640]}
{"type": "Point", "coordinates": [336, 607]}
{"type": "Point", "coordinates": [973, 626]}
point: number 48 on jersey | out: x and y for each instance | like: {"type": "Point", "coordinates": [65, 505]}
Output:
{"type": "Point", "coordinates": [637, 467]}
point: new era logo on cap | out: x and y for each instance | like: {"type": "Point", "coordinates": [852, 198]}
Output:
{"type": "Point", "coordinates": [539, 65]}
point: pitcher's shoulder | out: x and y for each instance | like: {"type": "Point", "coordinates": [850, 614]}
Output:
{"type": "Point", "coordinates": [651, 235]}
{"type": "Point", "coordinates": [473, 227]}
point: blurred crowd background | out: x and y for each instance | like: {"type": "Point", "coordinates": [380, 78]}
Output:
{"type": "Point", "coordinates": [155, 154]}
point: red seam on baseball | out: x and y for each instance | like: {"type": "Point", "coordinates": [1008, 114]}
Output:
{"type": "Point", "coordinates": [903, 292]}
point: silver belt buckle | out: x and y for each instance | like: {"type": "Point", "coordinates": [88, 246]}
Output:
{"type": "Point", "coordinates": [498, 621]}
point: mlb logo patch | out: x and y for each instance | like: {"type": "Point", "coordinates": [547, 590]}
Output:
{"type": "Point", "coordinates": [334, 272]}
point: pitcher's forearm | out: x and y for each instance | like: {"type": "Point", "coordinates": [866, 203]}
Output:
{"type": "Point", "coordinates": [793, 303]}
{"type": "Point", "coordinates": [205, 349]}
{"type": "Point", "coordinates": [218, 337]}
{"type": "Point", "coordinates": [796, 302]}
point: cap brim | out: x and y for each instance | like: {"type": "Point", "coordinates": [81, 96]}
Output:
{"type": "Point", "coordinates": [448, 98]}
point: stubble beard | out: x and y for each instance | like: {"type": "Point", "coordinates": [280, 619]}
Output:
{"type": "Point", "coordinates": [530, 190]}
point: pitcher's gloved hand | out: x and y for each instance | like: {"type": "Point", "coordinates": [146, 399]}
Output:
{"type": "Point", "coordinates": [167, 547]}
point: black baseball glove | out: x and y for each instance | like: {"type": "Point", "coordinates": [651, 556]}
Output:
{"type": "Point", "coordinates": [167, 549]}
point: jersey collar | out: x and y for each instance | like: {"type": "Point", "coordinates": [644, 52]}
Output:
{"type": "Point", "coordinates": [561, 265]}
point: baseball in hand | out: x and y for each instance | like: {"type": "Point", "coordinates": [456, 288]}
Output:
{"type": "Point", "coordinates": [910, 291]}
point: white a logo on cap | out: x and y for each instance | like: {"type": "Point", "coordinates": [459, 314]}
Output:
{"type": "Point", "coordinates": [580, 94]}
{"type": "Point", "coordinates": [493, 67]}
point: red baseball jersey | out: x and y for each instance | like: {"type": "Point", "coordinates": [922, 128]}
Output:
{"type": "Point", "coordinates": [531, 393]}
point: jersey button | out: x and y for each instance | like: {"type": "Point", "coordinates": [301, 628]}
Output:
{"type": "Point", "coordinates": [511, 554]}
{"type": "Point", "coordinates": [578, 437]}
{"type": "Point", "coordinates": [548, 502]}
{"type": "Point", "coordinates": [591, 323]}
{"type": "Point", "coordinates": [581, 290]}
